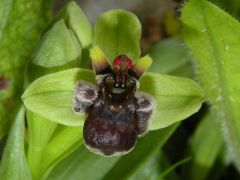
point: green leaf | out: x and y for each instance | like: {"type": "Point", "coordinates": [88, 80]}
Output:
{"type": "Point", "coordinates": [78, 23]}
{"type": "Point", "coordinates": [149, 169]}
{"type": "Point", "coordinates": [40, 131]}
{"type": "Point", "coordinates": [13, 163]}
{"type": "Point", "coordinates": [76, 20]}
{"type": "Point", "coordinates": [163, 60]}
{"type": "Point", "coordinates": [59, 49]}
{"type": "Point", "coordinates": [65, 140]}
{"type": "Point", "coordinates": [21, 22]}
{"type": "Point", "coordinates": [118, 32]}
{"type": "Point", "coordinates": [82, 164]}
{"type": "Point", "coordinates": [176, 98]}
{"type": "Point", "coordinates": [212, 39]}
{"type": "Point", "coordinates": [51, 96]}
{"type": "Point", "coordinates": [174, 166]}
{"type": "Point", "coordinates": [59, 46]}
{"type": "Point", "coordinates": [231, 6]}
{"type": "Point", "coordinates": [176, 63]}
{"type": "Point", "coordinates": [206, 145]}
{"type": "Point", "coordinates": [113, 167]}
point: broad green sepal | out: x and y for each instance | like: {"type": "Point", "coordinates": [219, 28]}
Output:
{"type": "Point", "coordinates": [175, 98]}
{"type": "Point", "coordinates": [118, 32]}
{"type": "Point", "coordinates": [51, 96]}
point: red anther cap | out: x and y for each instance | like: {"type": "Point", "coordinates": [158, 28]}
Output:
{"type": "Point", "coordinates": [122, 62]}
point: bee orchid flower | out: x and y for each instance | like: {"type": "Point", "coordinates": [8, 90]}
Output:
{"type": "Point", "coordinates": [115, 103]}
{"type": "Point", "coordinates": [117, 113]}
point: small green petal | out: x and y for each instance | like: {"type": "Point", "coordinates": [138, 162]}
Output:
{"type": "Point", "coordinates": [141, 66]}
{"type": "Point", "coordinates": [99, 61]}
